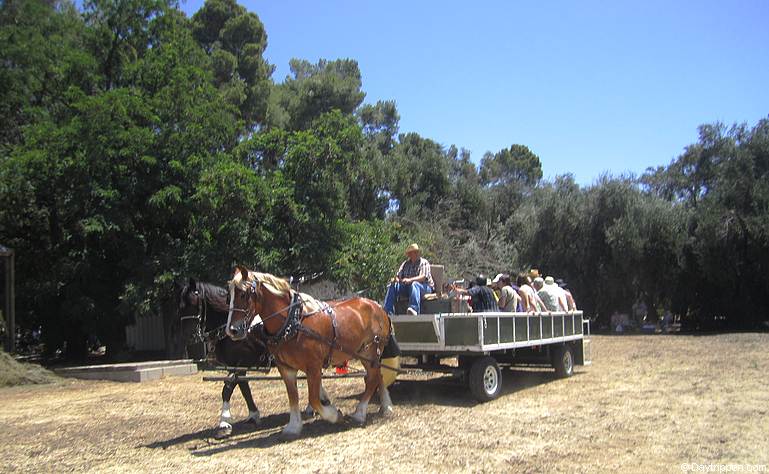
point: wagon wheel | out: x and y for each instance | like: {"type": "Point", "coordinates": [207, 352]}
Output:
{"type": "Point", "coordinates": [563, 361]}
{"type": "Point", "coordinates": [485, 379]}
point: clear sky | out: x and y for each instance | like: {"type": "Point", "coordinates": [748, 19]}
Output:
{"type": "Point", "coordinates": [589, 86]}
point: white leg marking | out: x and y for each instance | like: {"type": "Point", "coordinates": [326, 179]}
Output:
{"type": "Point", "coordinates": [386, 408]}
{"type": "Point", "coordinates": [360, 412]}
{"type": "Point", "coordinates": [225, 420]}
{"type": "Point", "coordinates": [329, 413]}
{"type": "Point", "coordinates": [294, 426]}
{"type": "Point", "coordinates": [309, 411]}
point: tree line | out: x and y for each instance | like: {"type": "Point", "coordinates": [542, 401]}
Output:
{"type": "Point", "coordinates": [139, 146]}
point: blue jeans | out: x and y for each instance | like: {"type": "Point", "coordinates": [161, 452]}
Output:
{"type": "Point", "coordinates": [415, 291]}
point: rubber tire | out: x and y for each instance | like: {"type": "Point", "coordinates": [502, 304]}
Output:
{"type": "Point", "coordinates": [562, 368]}
{"type": "Point", "coordinates": [476, 376]}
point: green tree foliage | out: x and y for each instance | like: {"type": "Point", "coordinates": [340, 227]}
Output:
{"type": "Point", "coordinates": [314, 89]}
{"type": "Point", "coordinates": [419, 174]}
{"type": "Point", "coordinates": [138, 145]}
{"type": "Point", "coordinates": [516, 165]}
{"type": "Point", "coordinates": [109, 181]}
{"type": "Point", "coordinates": [720, 183]}
{"type": "Point", "coordinates": [236, 39]}
{"type": "Point", "coordinates": [41, 47]}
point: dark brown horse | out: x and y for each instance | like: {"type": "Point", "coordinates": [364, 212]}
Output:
{"type": "Point", "coordinates": [205, 307]}
{"type": "Point", "coordinates": [305, 334]}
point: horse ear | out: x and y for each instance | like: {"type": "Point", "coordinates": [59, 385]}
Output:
{"type": "Point", "coordinates": [191, 284]}
{"type": "Point", "coordinates": [243, 273]}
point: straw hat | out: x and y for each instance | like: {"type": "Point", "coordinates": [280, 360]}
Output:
{"type": "Point", "coordinates": [412, 248]}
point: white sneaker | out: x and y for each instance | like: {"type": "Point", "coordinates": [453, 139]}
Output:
{"type": "Point", "coordinates": [411, 311]}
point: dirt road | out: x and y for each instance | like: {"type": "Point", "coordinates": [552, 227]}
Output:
{"type": "Point", "coordinates": [648, 403]}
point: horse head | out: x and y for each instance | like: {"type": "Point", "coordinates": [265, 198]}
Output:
{"type": "Point", "coordinates": [245, 304]}
{"type": "Point", "coordinates": [189, 306]}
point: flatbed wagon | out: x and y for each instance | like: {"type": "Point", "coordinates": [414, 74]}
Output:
{"type": "Point", "coordinates": [482, 342]}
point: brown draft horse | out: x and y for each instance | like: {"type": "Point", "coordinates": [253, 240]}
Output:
{"type": "Point", "coordinates": [357, 328]}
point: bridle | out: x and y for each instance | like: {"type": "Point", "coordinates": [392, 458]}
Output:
{"type": "Point", "coordinates": [201, 335]}
{"type": "Point", "coordinates": [255, 291]}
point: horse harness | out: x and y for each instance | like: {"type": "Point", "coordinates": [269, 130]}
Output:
{"type": "Point", "coordinates": [292, 326]}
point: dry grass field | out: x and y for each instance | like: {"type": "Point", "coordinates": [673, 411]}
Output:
{"type": "Point", "coordinates": [648, 403]}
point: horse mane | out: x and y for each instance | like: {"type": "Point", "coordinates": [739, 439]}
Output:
{"type": "Point", "coordinates": [275, 285]}
{"type": "Point", "coordinates": [209, 289]}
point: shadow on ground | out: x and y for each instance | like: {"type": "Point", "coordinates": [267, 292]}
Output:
{"type": "Point", "coordinates": [246, 436]}
{"type": "Point", "coordinates": [444, 390]}
{"type": "Point", "coordinates": [238, 429]}
{"type": "Point", "coordinates": [453, 391]}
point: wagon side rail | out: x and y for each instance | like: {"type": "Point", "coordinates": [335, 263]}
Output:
{"type": "Point", "coordinates": [487, 332]}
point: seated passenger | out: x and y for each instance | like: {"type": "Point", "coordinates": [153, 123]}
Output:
{"type": "Point", "coordinates": [509, 299]}
{"type": "Point", "coordinates": [550, 294]}
{"type": "Point", "coordinates": [482, 297]}
{"type": "Point", "coordinates": [530, 302]}
{"type": "Point", "coordinates": [570, 303]}
{"type": "Point", "coordinates": [413, 280]}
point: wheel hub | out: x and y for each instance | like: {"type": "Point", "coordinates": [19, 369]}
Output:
{"type": "Point", "coordinates": [567, 362]}
{"type": "Point", "coordinates": [490, 380]}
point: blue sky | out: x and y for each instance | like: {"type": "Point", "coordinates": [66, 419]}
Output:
{"type": "Point", "coordinates": [589, 86]}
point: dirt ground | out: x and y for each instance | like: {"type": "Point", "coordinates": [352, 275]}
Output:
{"type": "Point", "coordinates": [648, 403]}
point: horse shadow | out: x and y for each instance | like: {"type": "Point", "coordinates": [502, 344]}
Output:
{"type": "Point", "coordinates": [240, 428]}
{"type": "Point", "coordinates": [246, 436]}
{"type": "Point", "coordinates": [267, 438]}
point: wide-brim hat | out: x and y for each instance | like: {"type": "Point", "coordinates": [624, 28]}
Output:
{"type": "Point", "coordinates": [412, 248]}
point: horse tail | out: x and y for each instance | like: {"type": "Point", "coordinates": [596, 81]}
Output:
{"type": "Point", "coordinates": [390, 349]}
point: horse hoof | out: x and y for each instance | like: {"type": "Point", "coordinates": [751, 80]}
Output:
{"type": "Point", "coordinates": [308, 412]}
{"type": "Point", "coordinates": [358, 420]}
{"type": "Point", "coordinates": [289, 434]}
{"type": "Point", "coordinates": [223, 432]}
{"type": "Point", "coordinates": [386, 411]}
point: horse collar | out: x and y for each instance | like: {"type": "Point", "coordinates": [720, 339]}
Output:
{"type": "Point", "coordinates": [290, 326]}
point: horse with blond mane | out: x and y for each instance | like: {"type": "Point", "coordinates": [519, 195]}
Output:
{"type": "Point", "coordinates": [305, 334]}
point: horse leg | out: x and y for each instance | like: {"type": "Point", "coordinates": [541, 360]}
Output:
{"type": "Point", "coordinates": [253, 411]}
{"type": "Point", "coordinates": [309, 412]}
{"type": "Point", "coordinates": [225, 420]}
{"type": "Point", "coordinates": [386, 404]}
{"type": "Point", "coordinates": [294, 426]}
{"type": "Point", "coordinates": [373, 381]}
{"type": "Point", "coordinates": [314, 389]}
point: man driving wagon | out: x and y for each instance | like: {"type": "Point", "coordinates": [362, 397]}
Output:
{"type": "Point", "coordinates": [413, 279]}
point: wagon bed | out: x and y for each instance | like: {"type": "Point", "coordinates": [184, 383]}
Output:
{"type": "Point", "coordinates": [482, 342]}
